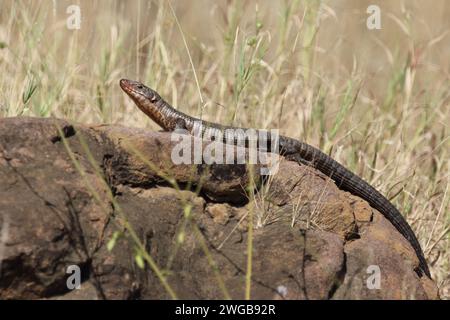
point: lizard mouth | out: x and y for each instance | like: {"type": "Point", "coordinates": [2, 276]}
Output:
{"type": "Point", "coordinates": [126, 85]}
{"type": "Point", "coordinates": [137, 91]}
{"type": "Point", "coordinates": [132, 88]}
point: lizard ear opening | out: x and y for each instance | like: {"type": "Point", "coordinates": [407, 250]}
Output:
{"type": "Point", "coordinates": [154, 97]}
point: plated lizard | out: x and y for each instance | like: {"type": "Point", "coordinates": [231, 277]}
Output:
{"type": "Point", "coordinates": [150, 102]}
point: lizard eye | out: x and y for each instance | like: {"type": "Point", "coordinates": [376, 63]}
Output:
{"type": "Point", "coordinates": [139, 86]}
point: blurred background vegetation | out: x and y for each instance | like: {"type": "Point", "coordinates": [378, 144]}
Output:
{"type": "Point", "coordinates": [376, 100]}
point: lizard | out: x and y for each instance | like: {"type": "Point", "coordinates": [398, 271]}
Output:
{"type": "Point", "coordinates": [170, 119]}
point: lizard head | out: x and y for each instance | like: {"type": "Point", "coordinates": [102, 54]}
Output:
{"type": "Point", "coordinates": [146, 99]}
{"type": "Point", "coordinates": [139, 92]}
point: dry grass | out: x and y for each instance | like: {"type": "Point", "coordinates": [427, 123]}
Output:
{"type": "Point", "coordinates": [378, 101]}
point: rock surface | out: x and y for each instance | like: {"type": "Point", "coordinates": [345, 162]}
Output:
{"type": "Point", "coordinates": [60, 208]}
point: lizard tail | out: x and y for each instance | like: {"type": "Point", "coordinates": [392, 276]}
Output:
{"type": "Point", "coordinates": [350, 182]}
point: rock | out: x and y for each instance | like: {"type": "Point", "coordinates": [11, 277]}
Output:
{"type": "Point", "coordinates": [125, 165]}
{"type": "Point", "coordinates": [86, 292]}
{"type": "Point", "coordinates": [60, 209]}
{"type": "Point", "coordinates": [220, 212]}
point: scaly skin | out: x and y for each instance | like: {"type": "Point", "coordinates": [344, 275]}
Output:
{"type": "Point", "coordinates": [170, 119]}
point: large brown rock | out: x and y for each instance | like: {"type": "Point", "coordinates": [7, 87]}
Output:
{"type": "Point", "coordinates": [310, 240]}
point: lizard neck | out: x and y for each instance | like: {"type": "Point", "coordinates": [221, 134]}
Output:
{"type": "Point", "coordinates": [160, 112]}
